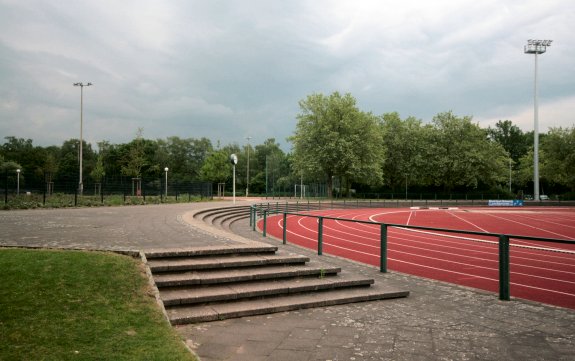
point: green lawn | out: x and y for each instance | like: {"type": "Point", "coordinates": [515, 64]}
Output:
{"type": "Point", "coordinates": [71, 305]}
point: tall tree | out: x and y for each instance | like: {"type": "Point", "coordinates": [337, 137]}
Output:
{"type": "Point", "coordinates": [513, 140]}
{"type": "Point", "coordinates": [558, 162]}
{"type": "Point", "coordinates": [134, 159]}
{"type": "Point", "coordinates": [405, 146]}
{"type": "Point", "coordinates": [334, 138]}
{"type": "Point", "coordinates": [217, 167]}
{"type": "Point", "coordinates": [462, 155]}
{"type": "Point", "coordinates": [268, 166]}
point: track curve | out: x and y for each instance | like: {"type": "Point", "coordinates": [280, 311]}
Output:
{"type": "Point", "coordinates": [540, 272]}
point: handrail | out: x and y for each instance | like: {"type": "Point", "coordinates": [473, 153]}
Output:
{"type": "Point", "coordinates": [503, 239]}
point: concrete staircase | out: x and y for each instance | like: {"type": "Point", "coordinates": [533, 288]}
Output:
{"type": "Point", "coordinates": [215, 283]}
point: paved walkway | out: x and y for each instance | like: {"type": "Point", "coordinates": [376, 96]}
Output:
{"type": "Point", "coordinates": [438, 321]}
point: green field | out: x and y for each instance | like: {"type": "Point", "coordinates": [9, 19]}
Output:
{"type": "Point", "coordinates": [71, 305]}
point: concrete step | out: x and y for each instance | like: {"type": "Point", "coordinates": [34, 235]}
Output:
{"type": "Point", "coordinates": [241, 275]}
{"type": "Point", "coordinates": [209, 251]}
{"type": "Point", "coordinates": [223, 261]}
{"type": "Point", "coordinates": [224, 310]}
{"type": "Point", "coordinates": [237, 291]}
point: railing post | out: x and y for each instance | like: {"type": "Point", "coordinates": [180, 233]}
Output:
{"type": "Point", "coordinates": [285, 229]}
{"type": "Point", "coordinates": [255, 218]}
{"type": "Point", "coordinates": [383, 249]}
{"type": "Point", "coordinates": [251, 215]}
{"type": "Point", "coordinates": [265, 222]}
{"type": "Point", "coordinates": [504, 294]}
{"type": "Point", "coordinates": [320, 236]}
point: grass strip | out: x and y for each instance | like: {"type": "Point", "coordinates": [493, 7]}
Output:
{"type": "Point", "coordinates": [72, 305]}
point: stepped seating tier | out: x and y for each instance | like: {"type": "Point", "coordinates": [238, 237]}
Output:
{"type": "Point", "coordinates": [213, 283]}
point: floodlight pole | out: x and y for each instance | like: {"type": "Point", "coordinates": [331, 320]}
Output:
{"type": "Point", "coordinates": [536, 47]}
{"type": "Point", "coordinates": [81, 85]}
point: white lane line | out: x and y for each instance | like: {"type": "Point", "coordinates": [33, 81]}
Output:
{"type": "Point", "coordinates": [437, 259]}
{"type": "Point", "coordinates": [468, 222]}
{"type": "Point", "coordinates": [529, 226]}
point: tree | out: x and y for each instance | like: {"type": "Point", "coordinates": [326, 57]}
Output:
{"type": "Point", "coordinates": [558, 161]}
{"type": "Point", "coordinates": [334, 138]}
{"type": "Point", "coordinates": [462, 155]}
{"type": "Point", "coordinates": [513, 140]}
{"type": "Point", "coordinates": [217, 167]}
{"type": "Point", "coordinates": [268, 166]}
{"type": "Point", "coordinates": [523, 174]}
{"type": "Point", "coordinates": [134, 160]}
{"type": "Point", "coordinates": [31, 159]}
{"type": "Point", "coordinates": [405, 146]}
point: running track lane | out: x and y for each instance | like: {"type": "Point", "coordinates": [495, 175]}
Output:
{"type": "Point", "coordinates": [536, 274]}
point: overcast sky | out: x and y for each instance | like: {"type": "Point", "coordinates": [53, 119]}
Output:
{"type": "Point", "coordinates": [227, 70]}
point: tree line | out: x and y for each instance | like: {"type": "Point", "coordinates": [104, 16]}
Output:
{"type": "Point", "coordinates": [334, 143]}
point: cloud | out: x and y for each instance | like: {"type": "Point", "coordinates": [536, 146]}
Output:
{"type": "Point", "coordinates": [229, 69]}
{"type": "Point", "coordinates": [552, 114]}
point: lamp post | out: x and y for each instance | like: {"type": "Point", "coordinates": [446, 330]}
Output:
{"type": "Point", "coordinates": [166, 188]}
{"type": "Point", "coordinates": [81, 85]}
{"type": "Point", "coordinates": [234, 161]}
{"type": "Point", "coordinates": [248, 172]}
{"type": "Point", "coordinates": [18, 181]}
{"type": "Point", "coordinates": [536, 47]}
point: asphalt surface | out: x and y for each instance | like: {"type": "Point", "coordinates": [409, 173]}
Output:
{"type": "Point", "coordinates": [438, 321]}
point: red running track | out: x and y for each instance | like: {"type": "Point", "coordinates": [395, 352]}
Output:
{"type": "Point", "coordinates": [540, 271]}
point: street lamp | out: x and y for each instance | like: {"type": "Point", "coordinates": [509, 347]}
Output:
{"type": "Point", "coordinates": [536, 47]}
{"type": "Point", "coordinates": [18, 181]}
{"type": "Point", "coordinates": [166, 170]}
{"type": "Point", "coordinates": [248, 172]}
{"type": "Point", "coordinates": [234, 161]}
{"type": "Point", "coordinates": [81, 85]}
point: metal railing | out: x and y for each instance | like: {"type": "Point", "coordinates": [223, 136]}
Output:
{"type": "Point", "coordinates": [503, 239]}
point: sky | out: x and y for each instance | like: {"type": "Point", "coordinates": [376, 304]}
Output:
{"type": "Point", "coordinates": [229, 70]}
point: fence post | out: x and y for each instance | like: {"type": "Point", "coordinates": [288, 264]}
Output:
{"type": "Point", "coordinates": [265, 223]}
{"type": "Point", "coordinates": [251, 215]}
{"type": "Point", "coordinates": [504, 294]}
{"type": "Point", "coordinates": [383, 249]}
{"type": "Point", "coordinates": [285, 228]}
{"type": "Point", "coordinates": [320, 236]}
{"type": "Point", "coordinates": [255, 218]}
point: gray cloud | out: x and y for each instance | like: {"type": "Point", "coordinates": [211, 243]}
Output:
{"type": "Point", "coordinates": [229, 69]}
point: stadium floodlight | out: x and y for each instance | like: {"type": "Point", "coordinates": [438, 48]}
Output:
{"type": "Point", "coordinates": [536, 47]}
{"type": "Point", "coordinates": [81, 85]}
